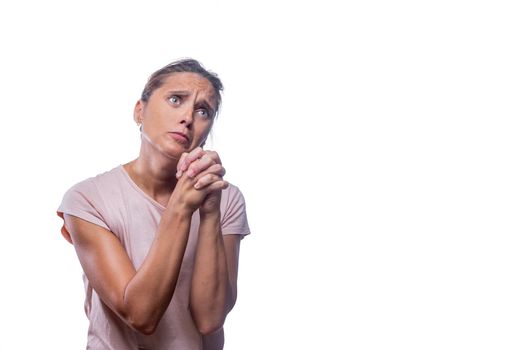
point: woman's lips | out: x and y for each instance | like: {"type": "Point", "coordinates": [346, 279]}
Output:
{"type": "Point", "coordinates": [180, 137]}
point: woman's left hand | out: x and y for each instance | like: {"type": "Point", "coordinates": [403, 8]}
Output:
{"type": "Point", "coordinates": [206, 168]}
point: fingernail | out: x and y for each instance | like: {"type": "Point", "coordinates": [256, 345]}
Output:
{"type": "Point", "coordinates": [197, 185]}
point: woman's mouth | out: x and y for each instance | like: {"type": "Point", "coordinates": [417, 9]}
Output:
{"type": "Point", "coordinates": [180, 137]}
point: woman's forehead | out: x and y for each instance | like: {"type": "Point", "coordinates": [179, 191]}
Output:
{"type": "Point", "coordinates": [188, 81]}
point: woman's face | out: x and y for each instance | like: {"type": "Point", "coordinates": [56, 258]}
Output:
{"type": "Point", "coordinates": [179, 114]}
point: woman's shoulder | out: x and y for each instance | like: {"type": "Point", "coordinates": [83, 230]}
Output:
{"type": "Point", "coordinates": [94, 190]}
{"type": "Point", "coordinates": [104, 179]}
{"type": "Point", "coordinates": [88, 200]}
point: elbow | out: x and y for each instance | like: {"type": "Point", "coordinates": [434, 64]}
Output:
{"type": "Point", "coordinates": [140, 320]}
{"type": "Point", "coordinates": [209, 323]}
{"type": "Point", "coordinates": [209, 327]}
{"type": "Point", "coordinates": [139, 316]}
{"type": "Point", "coordinates": [211, 319]}
{"type": "Point", "coordinates": [232, 300]}
{"type": "Point", "coordinates": [145, 327]}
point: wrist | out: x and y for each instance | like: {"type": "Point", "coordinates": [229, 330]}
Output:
{"type": "Point", "coordinates": [175, 218]}
{"type": "Point", "coordinates": [180, 211]}
{"type": "Point", "coordinates": [209, 215]}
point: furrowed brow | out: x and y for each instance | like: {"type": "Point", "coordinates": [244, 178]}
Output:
{"type": "Point", "coordinates": [178, 92]}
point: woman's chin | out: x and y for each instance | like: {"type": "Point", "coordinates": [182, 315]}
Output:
{"type": "Point", "coordinates": [169, 151]}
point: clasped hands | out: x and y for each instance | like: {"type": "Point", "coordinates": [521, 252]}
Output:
{"type": "Point", "coordinates": [200, 181]}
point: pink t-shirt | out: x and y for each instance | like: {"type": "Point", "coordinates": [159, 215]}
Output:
{"type": "Point", "coordinates": [113, 201]}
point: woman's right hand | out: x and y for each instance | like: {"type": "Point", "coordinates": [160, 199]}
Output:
{"type": "Point", "coordinates": [185, 196]}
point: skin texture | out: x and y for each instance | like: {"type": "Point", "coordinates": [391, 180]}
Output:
{"type": "Point", "coordinates": [177, 173]}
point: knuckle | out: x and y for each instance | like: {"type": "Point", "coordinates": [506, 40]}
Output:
{"type": "Point", "coordinates": [195, 153]}
{"type": "Point", "coordinates": [206, 179]}
{"type": "Point", "coordinates": [217, 169]}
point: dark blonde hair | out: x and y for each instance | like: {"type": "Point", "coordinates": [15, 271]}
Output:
{"type": "Point", "coordinates": [183, 65]}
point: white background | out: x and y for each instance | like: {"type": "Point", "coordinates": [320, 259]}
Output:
{"type": "Point", "coordinates": [379, 145]}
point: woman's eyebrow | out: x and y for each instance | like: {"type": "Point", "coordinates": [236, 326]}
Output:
{"type": "Point", "coordinates": [178, 92]}
{"type": "Point", "coordinates": [204, 103]}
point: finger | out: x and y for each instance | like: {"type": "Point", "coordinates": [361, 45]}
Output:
{"type": "Point", "coordinates": [198, 166]}
{"type": "Point", "coordinates": [214, 155]}
{"type": "Point", "coordinates": [207, 180]}
{"type": "Point", "coordinates": [181, 161]}
{"type": "Point", "coordinates": [215, 186]}
{"type": "Point", "coordinates": [191, 157]}
{"type": "Point", "coordinates": [216, 169]}
{"type": "Point", "coordinates": [203, 163]}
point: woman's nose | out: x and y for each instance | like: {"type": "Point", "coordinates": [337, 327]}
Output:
{"type": "Point", "coordinates": [187, 117]}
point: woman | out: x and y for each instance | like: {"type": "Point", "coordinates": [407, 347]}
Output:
{"type": "Point", "coordinates": [158, 238]}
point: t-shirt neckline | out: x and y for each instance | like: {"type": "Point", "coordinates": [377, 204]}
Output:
{"type": "Point", "coordinates": [138, 189]}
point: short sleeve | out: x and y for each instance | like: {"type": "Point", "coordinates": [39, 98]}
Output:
{"type": "Point", "coordinates": [80, 201]}
{"type": "Point", "coordinates": [234, 220]}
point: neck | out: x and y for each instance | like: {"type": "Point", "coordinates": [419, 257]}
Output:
{"type": "Point", "coordinates": [153, 171]}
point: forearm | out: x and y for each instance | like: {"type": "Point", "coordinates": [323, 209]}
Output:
{"type": "Point", "coordinates": [150, 291]}
{"type": "Point", "coordinates": [210, 297]}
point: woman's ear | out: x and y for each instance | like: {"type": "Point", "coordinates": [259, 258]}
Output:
{"type": "Point", "coordinates": [138, 112]}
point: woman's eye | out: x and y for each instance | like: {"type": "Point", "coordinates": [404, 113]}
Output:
{"type": "Point", "coordinates": [174, 99]}
{"type": "Point", "coordinates": [203, 113]}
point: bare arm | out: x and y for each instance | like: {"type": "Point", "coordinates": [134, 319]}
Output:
{"type": "Point", "coordinates": [140, 297]}
{"type": "Point", "coordinates": [214, 283]}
